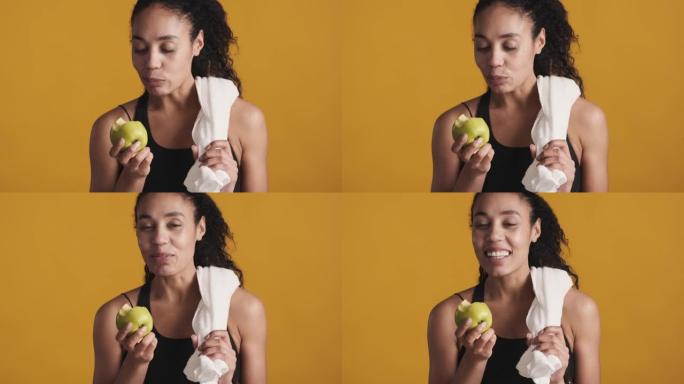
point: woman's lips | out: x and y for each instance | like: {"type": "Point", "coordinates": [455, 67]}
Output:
{"type": "Point", "coordinates": [154, 82]}
{"type": "Point", "coordinates": [161, 257]}
{"type": "Point", "coordinates": [497, 80]}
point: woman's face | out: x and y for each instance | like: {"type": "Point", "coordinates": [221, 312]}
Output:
{"type": "Point", "coordinates": [162, 49]}
{"type": "Point", "coordinates": [502, 233]}
{"type": "Point", "coordinates": [505, 48]}
{"type": "Point", "coordinates": [166, 231]}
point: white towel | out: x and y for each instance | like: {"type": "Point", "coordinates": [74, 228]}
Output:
{"type": "Point", "coordinates": [217, 286]}
{"type": "Point", "coordinates": [550, 286]}
{"type": "Point", "coordinates": [557, 96]}
{"type": "Point", "coordinates": [216, 96]}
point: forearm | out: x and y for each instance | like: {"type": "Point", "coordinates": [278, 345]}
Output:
{"type": "Point", "coordinates": [467, 181]}
{"type": "Point", "coordinates": [469, 371]}
{"type": "Point", "coordinates": [125, 183]}
{"type": "Point", "coordinates": [131, 372]}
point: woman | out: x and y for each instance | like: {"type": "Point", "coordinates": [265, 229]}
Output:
{"type": "Point", "coordinates": [176, 233]}
{"type": "Point", "coordinates": [515, 41]}
{"type": "Point", "coordinates": [172, 42]}
{"type": "Point", "coordinates": [512, 232]}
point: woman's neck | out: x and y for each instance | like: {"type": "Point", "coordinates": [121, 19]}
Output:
{"type": "Point", "coordinates": [512, 287]}
{"type": "Point", "coordinates": [176, 289]}
{"type": "Point", "coordinates": [182, 98]}
{"type": "Point", "coordinates": [520, 98]}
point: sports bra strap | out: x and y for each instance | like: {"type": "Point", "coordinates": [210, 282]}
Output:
{"type": "Point", "coordinates": [127, 114]}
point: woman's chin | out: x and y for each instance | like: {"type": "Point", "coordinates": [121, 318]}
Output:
{"type": "Point", "coordinates": [157, 91]}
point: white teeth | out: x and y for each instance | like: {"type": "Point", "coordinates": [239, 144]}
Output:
{"type": "Point", "coordinates": [498, 253]}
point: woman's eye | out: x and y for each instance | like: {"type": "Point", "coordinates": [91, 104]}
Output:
{"type": "Point", "coordinates": [511, 48]}
{"type": "Point", "coordinates": [481, 225]}
{"type": "Point", "coordinates": [481, 48]}
{"type": "Point", "coordinates": [510, 224]}
{"type": "Point", "coordinates": [139, 50]}
{"type": "Point", "coordinates": [168, 49]}
{"type": "Point", "coordinates": [145, 227]}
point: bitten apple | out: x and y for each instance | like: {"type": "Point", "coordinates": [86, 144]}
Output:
{"type": "Point", "coordinates": [130, 131]}
{"type": "Point", "coordinates": [137, 316]}
{"type": "Point", "coordinates": [474, 128]}
{"type": "Point", "coordinates": [477, 312]}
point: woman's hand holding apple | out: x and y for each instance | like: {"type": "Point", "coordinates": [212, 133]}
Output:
{"type": "Point", "coordinates": [556, 155]}
{"type": "Point", "coordinates": [139, 348]}
{"type": "Point", "coordinates": [551, 341]}
{"type": "Point", "coordinates": [476, 158]}
{"type": "Point", "coordinates": [478, 345]}
{"type": "Point", "coordinates": [136, 163]}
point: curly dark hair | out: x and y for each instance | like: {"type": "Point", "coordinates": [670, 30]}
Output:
{"type": "Point", "coordinates": [547, 251]}
{"type": "Point", "coordinates": [211, 250]}
{"type": "Point", "coordinates": [207, 16]}
{"type": "Point", "coordinates": [556, 57]}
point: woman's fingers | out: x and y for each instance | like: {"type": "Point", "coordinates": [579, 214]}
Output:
{"type": "Point", "coordinates": [127, 154]}
{"type": "Point", "coordinates": [459, 143]}
{"type": "Point", "coordinates": [134, 338]}
{"type": "Point", "coordinates": [463, 328]}
{"type": "Point", "coordinates": [123, 332]}
{"type": "Point", "coordinates": [474, 334]}
{"type": "Point", "coordinates": [149, 349]}
{"type": "Point", "coordinates": [116, 148]}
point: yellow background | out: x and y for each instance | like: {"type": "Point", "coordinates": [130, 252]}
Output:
{"type": "Point", "coordinates": [404, 253]}
{"type": "Point", "coordinates": [347, 280]}
{"type": "Point", "coordinates": [64, 255]}
{"type": "Point", "coordinates": [64, 63]}
{"type": "Point", "coordinates": [404, 63]}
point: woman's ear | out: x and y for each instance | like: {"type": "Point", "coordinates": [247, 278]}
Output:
{"type": "Point", "coordinates": [536, 230]}
{"type": "Point", "coordinates": [540, 41]}
{"type": "Point", "coordinates": [198, 44]}
{"type": "Point", "coordinates": [201, 229]}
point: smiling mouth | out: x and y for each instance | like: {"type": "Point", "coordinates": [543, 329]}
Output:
{"type": "Point", "coordinates": [497, 255]}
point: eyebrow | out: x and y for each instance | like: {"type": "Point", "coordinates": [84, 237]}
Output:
{"type": "Point", "coordinates": [504, 36]}
{"type": "Point", "coordinates": [165, 37]}
{"type": "Point", "coordinates": [507, 212]}
{"type": "Point", "coordinates": [170, 214]}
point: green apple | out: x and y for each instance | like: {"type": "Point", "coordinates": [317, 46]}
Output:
{"type": "Point", "coordinates": [137, 316]}
{"type": "Point", "coordinates": [130, 131]}
{"type": "Point", "coordinates": [474, 127]}
{"type": "Point", "coordinates": [477, 312]}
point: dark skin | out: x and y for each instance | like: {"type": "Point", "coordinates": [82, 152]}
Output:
{"type": "Point", "coordinates": [501, 224]}
{"type": "Point", "coordinates": [504, 52]}
{"type": "Point", "coordinates": [167, 231]}
{"type": "Point", "coordinates": [162, 54]}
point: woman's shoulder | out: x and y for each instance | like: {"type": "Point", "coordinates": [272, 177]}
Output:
{"type": "Point", "coordinates": [245, 306]}
{"type": "Point", "coordinates": [446, 308]}
{"type": "Point", "coordinates": [587, 117]}
{"type": "Point", "coordinates": [112, 306]}
{"type": "Point", "coordinates": [107, 119]}
{"type": "Point", "coordinates": [580, 308]}
{"type": "Point", "coordinates": [247, 116]}
{"type": "Point", "coordinates": [448, 117]}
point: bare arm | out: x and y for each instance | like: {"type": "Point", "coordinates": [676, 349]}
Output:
{"type": "Point", "coordinates": [593, 136]}
{"type": "Point", "coordinates": [105, 174]}
{"type": "Point", "coordinates": [254, 142]}
{"type": "Point", "coordinates": [445, 163]}
{"type": "Point", "coordinates": [457, 167]}
{"type": "Point", "coordinates": [443, 350]}
{"type": "Point", "coordinates": [252, 327]}
{"type": "Point", "coordinates": [103, 168]}
{"type": "Point", "coordinates": [108, 352]}
{"type": "Point", "coordinates": [587, 330]}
